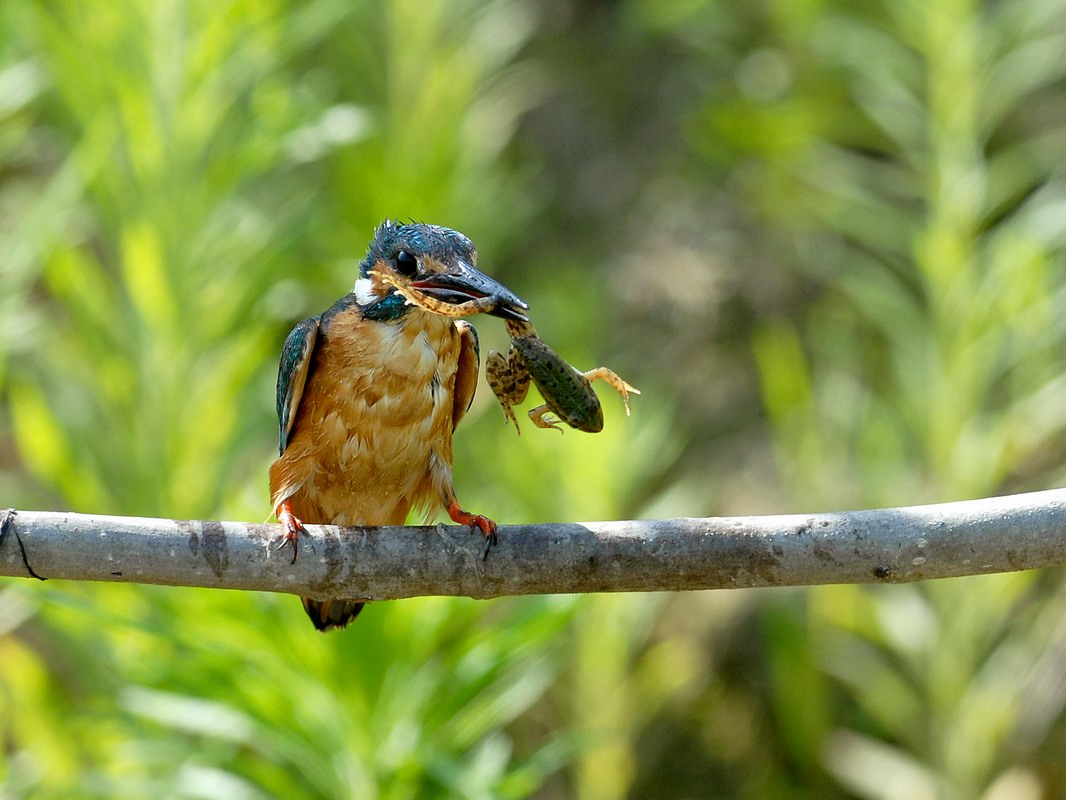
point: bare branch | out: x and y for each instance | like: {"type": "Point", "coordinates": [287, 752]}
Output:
{"type": "Point", "coordinates": [892, 545]}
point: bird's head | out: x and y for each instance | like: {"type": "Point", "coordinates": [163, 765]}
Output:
{"type": "Point", "coordinates": [432, 262]}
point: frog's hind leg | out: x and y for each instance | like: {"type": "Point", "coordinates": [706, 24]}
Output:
{"type": "Point", "coordinates": [509, 380]}
{"type": "Point", "coordinates": [478, 305]}
{"type": "Point", "coordinates": [614, 381]}
{"type": "Point", "coordinates": [542, 418]}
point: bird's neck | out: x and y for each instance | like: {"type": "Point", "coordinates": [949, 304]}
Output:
{"type": "Point", "coordinates": [386, 309]}
{"type": "Point", "coordinates": [378, 301]}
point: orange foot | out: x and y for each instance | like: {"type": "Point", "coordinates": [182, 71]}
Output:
{"type": "Point", "coordinates": [484, 524]}
{"type": "Point", "coordinates": [292, 527]}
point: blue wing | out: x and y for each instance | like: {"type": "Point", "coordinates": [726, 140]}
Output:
{"type": "Point", "coordinates": [292, 374]}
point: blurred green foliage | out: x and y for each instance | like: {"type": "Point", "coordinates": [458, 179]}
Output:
{"type": "Point", "coordinates": [824, 238]}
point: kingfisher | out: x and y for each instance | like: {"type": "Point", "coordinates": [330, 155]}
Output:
{"type": "Point", "coordinates": [370, 391]}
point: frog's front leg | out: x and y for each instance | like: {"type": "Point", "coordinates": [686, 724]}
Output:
{"type": "Point", "coordinates": [614, 381]}
{"type": "Point", "coordinates": [509, 380]}
{"type": "Point", "coordinates": [541, 416]}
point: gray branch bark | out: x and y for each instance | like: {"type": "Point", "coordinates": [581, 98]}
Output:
{"type": "Point", "coordinates": [892, 545]}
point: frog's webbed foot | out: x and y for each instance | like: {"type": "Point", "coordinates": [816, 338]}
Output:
{"type": "Point", "coordinates": [542, 418]}
{"type": "Point", "coordinates": [508, 415]}
{"type": "Point", "coordinates": [614, 381]}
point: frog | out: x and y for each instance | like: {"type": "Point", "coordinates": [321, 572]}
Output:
{"type": "Point", "coordinates": [567, 391]}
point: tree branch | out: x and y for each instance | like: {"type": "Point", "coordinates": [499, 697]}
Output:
{"type": "Point", "coordinates": [892, 545]}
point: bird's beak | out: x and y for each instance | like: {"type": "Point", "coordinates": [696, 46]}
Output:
{"type": "Point", "coordinates": [463, 282]}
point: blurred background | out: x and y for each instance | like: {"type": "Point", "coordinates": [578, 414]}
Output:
{"type": "Point", "coordinates": [825, 238]}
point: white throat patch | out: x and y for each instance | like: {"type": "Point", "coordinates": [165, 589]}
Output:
{"type": "Point", "coordinates": [363, 290]}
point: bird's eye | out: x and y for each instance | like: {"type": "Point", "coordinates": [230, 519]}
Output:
{"type": "Point", "coordinates": [406, 264]}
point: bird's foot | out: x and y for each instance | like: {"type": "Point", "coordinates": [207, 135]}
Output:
{"type": "Point", "coordinates": [483, 524]}
{"type": "Point", "coordinates": [292, 529]}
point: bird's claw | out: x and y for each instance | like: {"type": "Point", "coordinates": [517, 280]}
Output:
{"type": "Point", "coordinates": [292, 528]}
{"type": "Point", "coordinates": [488, 530]}
{"type": "Point", "coordinates": [478, 522]}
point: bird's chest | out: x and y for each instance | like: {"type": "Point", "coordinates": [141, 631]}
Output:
{"type": "Point", "coordinates": [380, 399]}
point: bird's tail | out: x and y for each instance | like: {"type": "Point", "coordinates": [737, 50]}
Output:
{"type": "Point", "coordinates": [333, 613]}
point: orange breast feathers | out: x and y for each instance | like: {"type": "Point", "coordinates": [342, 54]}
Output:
{"type": "Point", "coordinates": [373, 432]}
